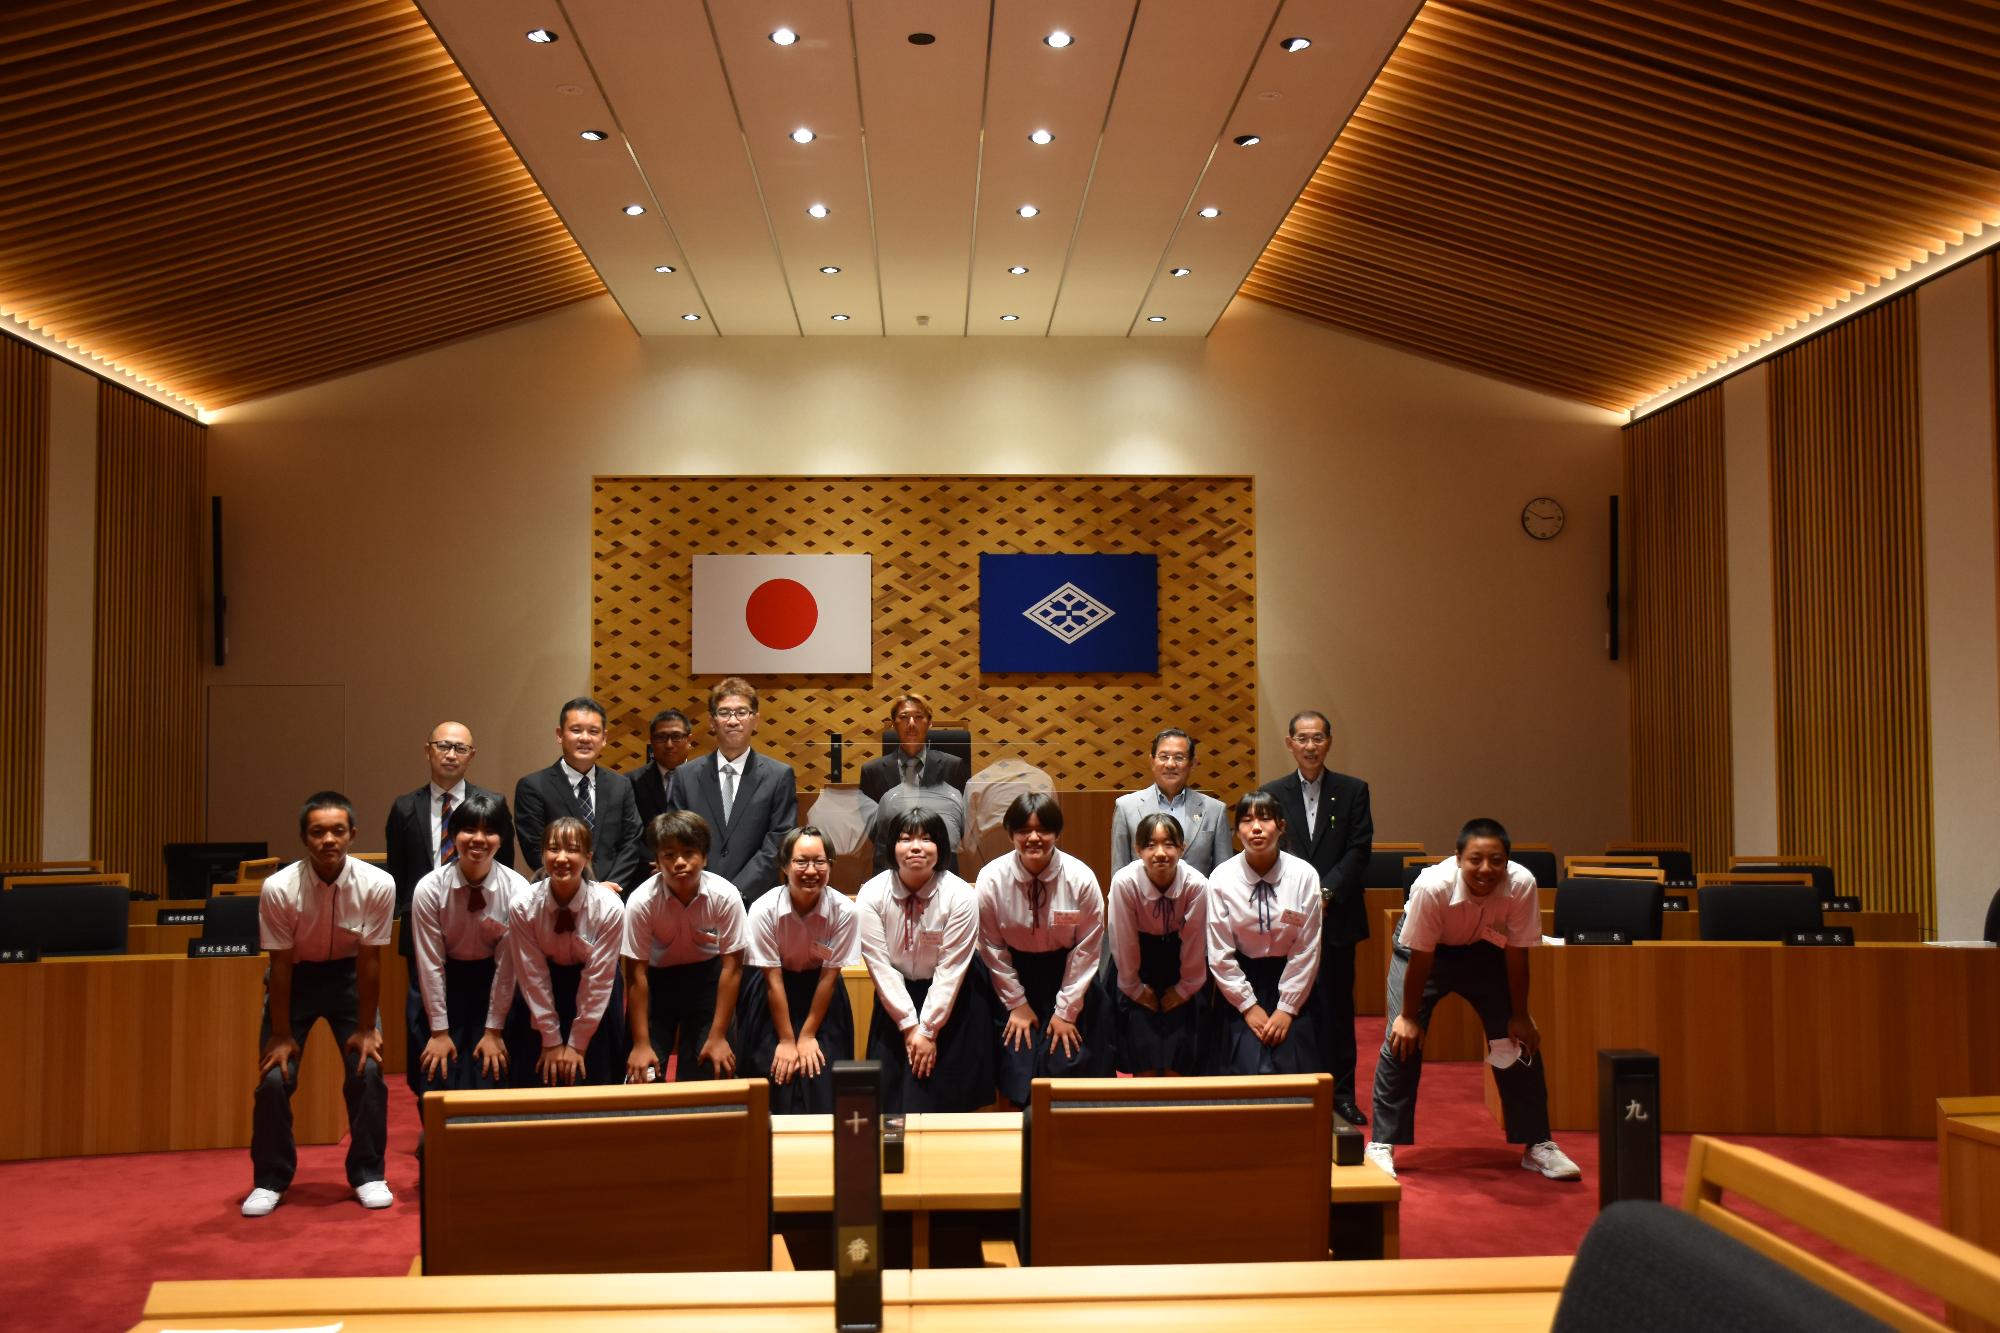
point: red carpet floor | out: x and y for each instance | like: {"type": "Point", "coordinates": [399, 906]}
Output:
{"type": "Point", "coordinates": [89, 1236]}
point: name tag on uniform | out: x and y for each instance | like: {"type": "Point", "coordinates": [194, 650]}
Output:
{"type": "Point", "coordinates": [1065, 918]}
{"type": "Point", "coordinates": [1292, 916]}
{"type": "Point", "coordinates": [1492, 936]}
{"type": "Point", "coordinates": [711, 931]}
{"type": "Point", "coordinates": [822, 948]}
{"type": "Point", "coordinates": [930, 939]}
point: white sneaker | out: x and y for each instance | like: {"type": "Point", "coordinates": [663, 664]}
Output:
{"type": "Point", "coordinates": [374, 1194]}
{"type": "Point", "coordinates": [1551, 1161]}
{"type": "Point", "coordinates": [1384, 1156]}
{"type": "Point", "coordinates": [260, 1202]}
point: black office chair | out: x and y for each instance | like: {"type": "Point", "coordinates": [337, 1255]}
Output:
{"type": "Point", "coordinates": [1646, 1268]}
{"type": "Point", "coordinates": [1631, 906]}
{"type": "Point", "coordinates": [949, 740]}
{"type": "Point", "coordinates": [1822, 876]}
{"type": "Point", "coordinates": [1758, 911]}
{"type": "Point", "coordinates": [230, 918]}
{"type": "Point", "coordinates": [1385, 869]}
{"type": "Point", "coordinates": [1543, 864]}
{"type": "Point", "coordinates": [1993, 919]}
{"type": "Point", "coordinates": [61, 919]}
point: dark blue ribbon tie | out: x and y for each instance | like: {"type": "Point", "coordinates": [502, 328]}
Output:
{"type": "Point", "coordinates": [1265, 895]}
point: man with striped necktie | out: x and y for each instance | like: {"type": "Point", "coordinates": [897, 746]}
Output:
{"type": "Point", "coordinates": [576, 785]}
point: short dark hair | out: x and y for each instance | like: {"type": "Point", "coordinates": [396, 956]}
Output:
{"type": "Point", "coordinates": [1485, 828]}
{"type": "Point", "coordinates": [583, 703]}
{"type": "Point", "coordinates": [668, 715]}
{"type": "Point", "coordinates": [1039, 805]}
{"type": "Point", "coordinates": [1157, 822]}
{"type": "Point", "coordinates": [325, 800]}
{"type": "Point", "coordinates": [727, 686]}
{"type": "Point", "coordinates": [480, 812]}
{"type": "Point", "coordinates": [1259, 803]}
{"type": "Point", "coordinates": [1292, 723]}
{"type": "Point", "coordinates": [570, 828]}
{"type": "Point", "coordinates": [791, 841]}
{"type": "Point", "coordinates": [681, 828]}
{"type": "Point", "coordinates": [927, 822]}
{"type": "Point", "coordinates": [1168, 734]}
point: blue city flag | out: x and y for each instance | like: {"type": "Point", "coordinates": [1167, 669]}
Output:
{"type": "Point", "coordinates": [1069, 613]}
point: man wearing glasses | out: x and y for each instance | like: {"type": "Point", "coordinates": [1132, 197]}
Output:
{"type": "Point", "coordinates": [914, 777]}
{"type": "Point", "coordinates": [417, 844]}
{"type": "Point", "coordinates": [750, 800]}
{"type": "Point", "coordinates": [576, 786]}
{"type": "Point", "coordinates": [653, 781]}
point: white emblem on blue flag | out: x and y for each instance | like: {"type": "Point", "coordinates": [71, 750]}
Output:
{"type": "Point", "coordinates": [1069, 613]}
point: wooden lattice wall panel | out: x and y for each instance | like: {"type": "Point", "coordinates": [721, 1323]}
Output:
{"type": "Point", "coordinates": [926, 535]}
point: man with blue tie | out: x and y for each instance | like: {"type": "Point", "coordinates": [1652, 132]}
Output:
{"type": "Point", "coordinates": [575, 785]}
{"type": "Point", "coordinates": [750, 800]}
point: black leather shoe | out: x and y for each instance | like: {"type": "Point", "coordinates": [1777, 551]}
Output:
{"type": "Point", "coordinates": [1351, 1113]}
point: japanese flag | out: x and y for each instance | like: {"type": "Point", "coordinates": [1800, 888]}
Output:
{"type": "Point", "coordinates": [783, 613]}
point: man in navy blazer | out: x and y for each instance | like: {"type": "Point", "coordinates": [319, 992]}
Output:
{"type": "Point", "coordinates": [750, 801]}
{"type": "Point", "coordinates": [1327, 822]}
{"type": "Point", "coordinates": [667, 743]}
{"type": "Point", "coordinates": [577, 785]}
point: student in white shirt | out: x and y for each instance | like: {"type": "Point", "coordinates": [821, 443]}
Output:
{"type": "Point", "coordinates": [1156, 970]}
{"type": "Point", "coordinates": [1041, 936]}
{"type": "Point", "coordinates": [323, 921]}
{"type": "Point", "coordinates": [564, 934]}
{"type": "Point", "coordinates": [794, 1020]}
{"type": "Point", "coordinates": [1263, 947]}
{"type": "Point", "coordinates": [463, 969]}
{"type": "Point", "coordinates": [683, 947]}
{"type": "Point", "coordinates": [919, 937]}
{"type": "Point", "coordinates": [1466, 930]}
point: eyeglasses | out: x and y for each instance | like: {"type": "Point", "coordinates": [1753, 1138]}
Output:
{"type": "Point", "coordinates": [814, 863]}
{"type": "Point", "coordinates": [734, 714]}
{"type": "Point", "coordinates": [451, 747]}
{"type": "Point", "coordinates": [672, 737]}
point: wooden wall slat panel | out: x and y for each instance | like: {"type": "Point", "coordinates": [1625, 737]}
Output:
{"type": "Point", "coordinates": [1682, 787]}
{"type": "Point", "coordinates": [1853, 675]}
{"type": "Point", "coordinates": [146, 744]}
{"type": "Point", "coordinates": [24, 570]}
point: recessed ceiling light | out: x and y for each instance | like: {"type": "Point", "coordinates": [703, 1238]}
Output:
{"type": "Point", "coordinates": [1211, 212]}
{"type": "Point", "coordinates": [1018, 269]}
{"type": "Point", "coordinates": [1027, 210]}
{"type": "Point", "coordinates": [1296, 43]}
{"type": "Point", "coordinates": [803, 135]}
{"type": "Point", "coordinates": [1156, 319]}
{"type": "Point", "coordinates": [840, 319]}
{"type": "Point", "coordinates": [1041, 136]}
{"type": "Point", "coordinates": [594, 136]}
{"type": "Point", "coordinates": [541, 36]}
{"type": "Point", "coordinates": [1058, 39]}
{"type": "Point", "coordinates": [784, 37]}
{"type": "Point", "coordinates": [922, 38]}
{"type": "Point", "coordinates": [1247, 141]}
{"type": "Point", "coordinates": [829, 269]}
{"type": "Point", "coordinates": [634, 210]}
{"type": "Point", "coordinates": [1008, 319]}
{"type": "Point", "coordinates": [663, 268]}
{"type": "Point", "coordinates": [690, 318]}
{"type": "Point", "coordinates": [1179, 272]}
{"type": "Point", "coordinates": [818, 210]}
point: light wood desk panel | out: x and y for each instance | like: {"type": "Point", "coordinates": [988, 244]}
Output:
{"type": "Point", "coordinates": [1497, 1294]}
{"type": "Point", "coordinates": [143, 1054]}
{"type": "Point", "coordinates": [1968, 1130]}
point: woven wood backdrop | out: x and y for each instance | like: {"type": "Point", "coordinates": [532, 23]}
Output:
{"type": "Point", "coordinates": [926, 535]}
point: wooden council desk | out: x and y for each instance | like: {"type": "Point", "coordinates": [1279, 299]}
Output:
{"type": "Point", "coordinates": [971, 1162]}
{"type": "Point", "coordinates": [1500, 1295]}
{"type": "Point", "coordinates": [1968, 1132]}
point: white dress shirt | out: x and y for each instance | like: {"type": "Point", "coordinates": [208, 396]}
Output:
{"type": "Point", "coordinates": [827, 936]}
{"type": "Point", "coordinates": [443, 926]}
{"type": "Point", "coordinates": [929, 934]}
{"type": "Point", "coordinates": [1442, 910]}
{"type": "Point", "coordinates": [321, 922]}
{"type": "Point", "coordinates": [457, 794]}
{"type": "Point", "coordinates": [1281, 924]}
{"type": "Point", "coordinates": [662, 931]}
{"type": "Point", "coordinates": [1062, 908]}
{"type": "Point", "coordinates": [532, 935]}
{"type": "Point", "coordinates": [1309, 792]}
{"type": "Point", "coordinates": [1139, 907]}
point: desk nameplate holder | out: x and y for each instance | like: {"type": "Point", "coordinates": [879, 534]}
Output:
{"type": "Point", "coordinates": [1831, 935]}
{"type": "Point", "coordinates": [892, 1145]}
{"type": "Point", "coordinates": [857, 1196]}
{"type": "Point", "coordinates": [1840, 903]}
{"type": "Point", "coordinates": [1674, 902]}
{"type": "Point", "coordinates": [182, 916]}
{"type": "Point", "coordinates": [26, 954]}
{"type": "Point", "coordinates": [1599, 937]}
{"type": "Point", "coordinates": [200, 948]}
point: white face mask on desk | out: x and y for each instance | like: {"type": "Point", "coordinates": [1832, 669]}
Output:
{"type": "Point", "coordinates": [1504, 1051]}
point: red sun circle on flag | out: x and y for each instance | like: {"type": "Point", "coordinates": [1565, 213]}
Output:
{"type": "Point", "coordinates": [781, 613]}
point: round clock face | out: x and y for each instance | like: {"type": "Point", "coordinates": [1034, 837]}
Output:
{"type": "Point", "coordinates": [1542, 518]}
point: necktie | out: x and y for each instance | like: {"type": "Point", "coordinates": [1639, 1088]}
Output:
{"type": "Point", "coordinates": [475, 898]}
{"type": "Point", "coordinates": [447, 847]}
{"type": "Point", "coordinates": [1264, 893]}
{"type": "Point", "coordinates": [565, 921]}
{"type": "Point", "coordinates": [583, 799]}
{"type": "Point", "coordinates": [728, 790]}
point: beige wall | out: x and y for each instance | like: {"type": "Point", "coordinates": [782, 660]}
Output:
{"type": "Point", "coordinates": [418, 533]}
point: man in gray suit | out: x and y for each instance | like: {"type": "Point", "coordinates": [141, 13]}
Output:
{"type": "Point", "coordinates": [1203, 819]}
{"type": "Point", "coordinates": [750, 801]}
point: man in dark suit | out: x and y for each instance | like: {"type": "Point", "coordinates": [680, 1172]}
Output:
{"type": "Point", "coordinates": [575, 785]}
{"type": "Point", "coordinates": [653, 781]}
{"type": "Point", "coordinates": [915, 766]}
{"type": "Point", "coordinates": [750, 801]}
{"type": "Point", "coordinates": [416, 845]}
{"type": "Point", "coordinates": [1327, 822]}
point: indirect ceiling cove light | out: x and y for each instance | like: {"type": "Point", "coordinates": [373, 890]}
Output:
{"type": "Point", "coordinates": [1211, 212]}
{"type": "Point", "coordinates": [1008, 319]}
{"type": "Point", "coordinates": [1296, 43]}
{"type": "Point", "coordinates": [1018, 269]}
{"type": "Point", "coordinates": [784, 37]}
{"type": "Point", "coordinates": [1156, 319]}
{"type": "Point", "coordinates": [1059, 39]}
{"type": "Point", "coordinates": [803, 135]}
{"type": "Point", "coordinates": [1179, 272]}
{"type": "Point", "coordinates": [594, 136]}
{"type": "Point", "coordinates": [1041, 136]}
{"type": "Point", "coordinates": [829, 269]}
{"type": "Point", "coordinates": [1027, 210]}
{"type": "Point", "coordinates": [840, 319]}
{"type": "Point", "coordinates": [634, 210]}
{"type": "Point", "coordinates": [1247, 141]}
{"type": "Point", "coordinates": [690, 318]}
{"type": "Point", "coordinates": [541, 36]}
{"type": "Point", "coordinates": [663, 268]}
{"type": "Point", "coordinates": [817, 210]}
